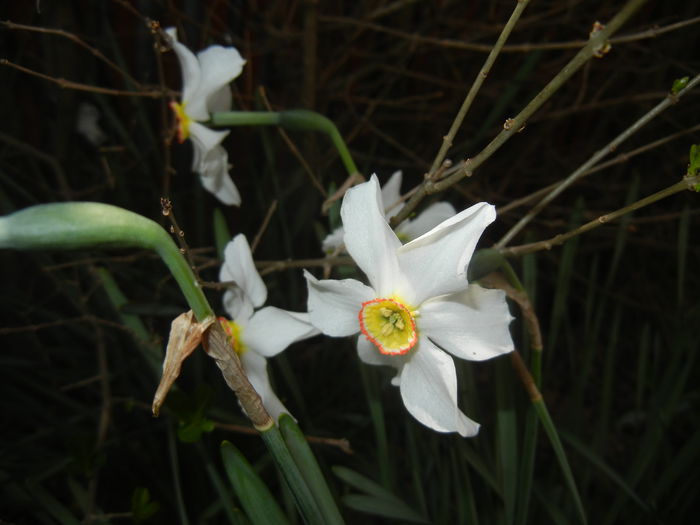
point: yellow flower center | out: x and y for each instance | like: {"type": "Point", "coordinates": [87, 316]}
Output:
{"type": "Point", "coordinates": [234, 330]}
{"type": "Point", "coordinates": [183, 121]}
{"type": "Point", "coordinates": [389, 324]}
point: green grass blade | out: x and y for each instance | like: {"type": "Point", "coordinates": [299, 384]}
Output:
{"type": "Point", "coordinates": [305, 460]}
{"type": "Point", "coordinates": [377, 500]}
{"type": "Point", "coordinates": [551, 431]}
{"type": "Point", "coordinates": [258, 503]}
{"type": "Point", "coordinates": [306, 503]}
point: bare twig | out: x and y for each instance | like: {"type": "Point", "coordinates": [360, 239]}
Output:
{"type": "Point", "coordinates": [670, 99]}
{"type": "Point", "coordinates": [598, 43]}
{"type": "Point", "coordinates": [69, 84]}
{"type": "Point", "coordinates": [688, 183]}
{"type": "Point", "coordinates": [415, 38]}
{"type": "Point", "coordinates": [476, 85]}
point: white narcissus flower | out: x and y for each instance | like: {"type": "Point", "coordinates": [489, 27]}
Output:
{"type": "Point", "coordinates": [418, 305]}
{"type": "Point", "coordinates": [256, 335]}
{"type": "Point", "coordinates": [205, 90]}
{"type": "Point", "coordinates": [392, 204]}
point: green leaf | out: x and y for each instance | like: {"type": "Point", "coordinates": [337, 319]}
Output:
{"type": "Point", "coordinates": [305, 460]}
{"type": "Point", "coordinates": [378, 500]}
{"type": "Point", "coordinates": [679, 84]}
{"type": "Point", "coordinates": [142, 507]}
{"type": "Point", "coordinates": [383, 507]}
{"type": "Point", "coordinates": [253, 494]}
{"type": "Point", "coordinates": [694, 164]}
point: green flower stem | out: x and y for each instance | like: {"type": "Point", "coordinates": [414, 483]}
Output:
{"type": "Point", "coordinates": [304, 498]}
{"type": "Point", "coordinates": [293, 119]}
{"type": "Point", "coordinates": [245, 118]}
{"type": "Point", "coordinates": [305, 460]}
{"type": "Point", "coordinates": [80, 225]}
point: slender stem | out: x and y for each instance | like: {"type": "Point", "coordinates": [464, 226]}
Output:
{"type": "Point", "coordinates": [669, 100]}
{"type": "Point", "coordinates": [688, 183]}
{"type": "Point", "coordinates": [299, 119]}
{"type": "Point", "coordinates": [80, 225]}
{"type": "Point", "coordinates": [596, 44]}
{"type": "Point", "coordinates": [245, 118]}
{"type": "Point", "coordinates": [619, 159]}
{"type": "Point", "coordinates": [478, 81]}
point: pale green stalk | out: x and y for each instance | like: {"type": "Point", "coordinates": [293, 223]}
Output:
{"type": "Point", "coordinates": [295, 119]}
{"type": "Point", "coordinates": [81, 225]}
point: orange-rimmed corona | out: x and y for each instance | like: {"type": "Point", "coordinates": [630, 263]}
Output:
{"type": "Point", "coordinates": [233, 330]}
{"type": "Point", "coordinates": [389, 325]}
{"type": "Point", "coordinates": [183, 121]}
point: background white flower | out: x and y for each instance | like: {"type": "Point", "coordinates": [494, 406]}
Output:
{"type": "Point", "coordinates": [259, 334]}
{"type": "Point", "coordinates": [417, 307]}
{"type": "Point", "coordinates": [391, 202]}
{"type": "Point", "coordinates": [205, 90]}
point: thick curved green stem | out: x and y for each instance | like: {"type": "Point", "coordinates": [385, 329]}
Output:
{"type": "Point", "coordinates": [295, 119]}
{"type": "Point", "coordinates": [80, 225]}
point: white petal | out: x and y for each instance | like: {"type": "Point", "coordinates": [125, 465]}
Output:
{"type": "Point", "coordinates": [369, 239]}
{"type": "Point", "coordinates": [255, 367]}
{"type": "Point", "coordinates": [426, 221]}
{"type": "Point", "coordinates": [239, 266]}
{"type": "Point", "coordinates": [391, 194]}
{"type": "Point", "coordinates": [218, 66]}
{"type": "Point", "coordinates": [204, 140]}
{"type": "Point", "coordinates": [271, 330]}
{"type": "Point", "coordinates": [237, 305]}
{"type": "Point", "coordinates": [189, 65]}
{"type": "Point", "coordinates": [435, 263]}
{"type": "Point", "coordinates": [216, 179]}
{"type": "Point", "coordinates": [334, 305]}
{"type": "Point", "coordinates": [472, 324]}
{"type": "Point", "coordinates": [429, 391]}
{"type": "Point", "coordinates": [220, 100]}
{"type": "Point", "coordinates": [333, 240]}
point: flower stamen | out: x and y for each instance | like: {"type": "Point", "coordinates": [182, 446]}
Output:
{"type": "Point", "coordinates": [233, 330]}
{"type": "Point", "coordinates": [389, 325]}
{"type": "Point", "coordinates": [183, 121]}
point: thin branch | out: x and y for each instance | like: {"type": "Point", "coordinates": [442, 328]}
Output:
{"type": "Point", "coordinates": [258, 236]}
{"type": "Point", "coordinates": [414, 38]}
{"type": "Point", "coordinates": [69, 84]}
{"type": "Point", "coordinates": [76, 39]}
{"type": "Point", "coordinates": [688, 183]}
{"type": "Point", "coordinates": [598, 43]}
{"type": "Point", "coordinates": [476, 85]}
{"type": "Point", "coordinates": [619, 159]}
{"type": "Point", "coordinates": [670, 99]}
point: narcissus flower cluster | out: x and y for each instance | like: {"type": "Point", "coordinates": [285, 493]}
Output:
{"type": "Point", "coordinates": [391, 203]}
{"type": "Point", "coordinates": [418, 310]}
{"type": "Point", "coordinates": [205, 90]}
{"type": "Point", "coordinates": [257, 334]}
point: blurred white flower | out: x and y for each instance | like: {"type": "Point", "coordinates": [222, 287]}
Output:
{"type": "Point", "coordinates": [205, 90]}
{"type": "Point", "coordinates": [417, 307]}
{"type": "Point", "coordinates": [87, 124]}
{"type": "Point", "coordinates": [392, 204]}
{"type": "Point", "coordinates": [256, 335]}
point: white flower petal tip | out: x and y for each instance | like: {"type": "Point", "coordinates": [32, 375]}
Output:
{"type": "Point", "coordinates": [205, 90]}
{"type": "Point", "coordinates": [239, 267]}
{"type": "Point", "coordinates": [409, 229]}
{"type": "Point", "coordinates": [428, 386]}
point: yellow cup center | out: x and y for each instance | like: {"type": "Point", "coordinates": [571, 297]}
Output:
{"type": "Point", "coordinates": [389, 325]}
{"type": "Point", "coordinates": [183, 121]}
{"type": "Point", "coordinates": [234, 330]}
